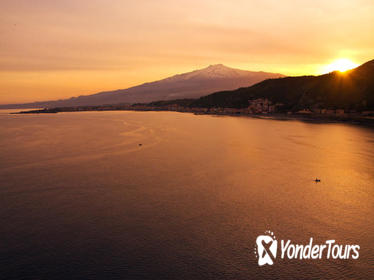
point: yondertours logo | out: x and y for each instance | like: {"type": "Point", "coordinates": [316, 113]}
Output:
{"type": "Point", "coordinates": [266, 249]}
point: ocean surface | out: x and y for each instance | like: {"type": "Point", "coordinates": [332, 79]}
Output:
{"type": "Point", "coordinates": [81, 199]}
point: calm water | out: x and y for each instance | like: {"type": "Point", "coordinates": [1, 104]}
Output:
{"type": "Point", "coordinates": [80, 199]}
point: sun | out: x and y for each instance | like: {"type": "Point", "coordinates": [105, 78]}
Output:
{"type": "Point", "coordinates": [342, 65]}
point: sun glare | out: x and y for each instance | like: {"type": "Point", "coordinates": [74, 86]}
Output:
{"type": "Point", "coordinates": [341, 65]}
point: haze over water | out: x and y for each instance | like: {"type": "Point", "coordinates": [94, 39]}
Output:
{"type": "Point", "coordinates": [81, 199]}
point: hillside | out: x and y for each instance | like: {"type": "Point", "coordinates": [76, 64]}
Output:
{"type": "Point", "coordinates": [351, 90]}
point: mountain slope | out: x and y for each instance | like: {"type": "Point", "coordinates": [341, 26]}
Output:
{"type": "Point", "coordinates": [353, 90]}
{"type": "Point", "coordinates": [188, 85]}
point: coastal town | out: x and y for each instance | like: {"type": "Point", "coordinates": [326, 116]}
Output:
{"type": "Point", "coordinates": [259, 108]}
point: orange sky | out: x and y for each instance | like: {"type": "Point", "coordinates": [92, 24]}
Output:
{"type": "Point", "coordinates": [52, 49]}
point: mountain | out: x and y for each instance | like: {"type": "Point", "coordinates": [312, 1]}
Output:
{"type": "Point", "coordinates": [188, 85]}
{"type": "Point", "coordinates": [351, 90]}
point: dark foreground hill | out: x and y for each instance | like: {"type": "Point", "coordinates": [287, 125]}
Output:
{"type": "Point", "coordinates": [351, 90]}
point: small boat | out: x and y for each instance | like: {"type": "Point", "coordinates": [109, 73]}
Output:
{"type": "Point", "coordinates": [317, 180]}
{"type": "Point", "coordinates": [140, 144]}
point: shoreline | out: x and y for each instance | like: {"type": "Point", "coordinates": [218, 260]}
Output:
{"type": "Point", "coordinates": [311, 118]}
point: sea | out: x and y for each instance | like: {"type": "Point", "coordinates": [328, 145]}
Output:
{"type": "Point", "coordinates": [168, 195]}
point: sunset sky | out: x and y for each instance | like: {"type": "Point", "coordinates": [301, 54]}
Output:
{"type": "Point", "coordinates": [52, 49]}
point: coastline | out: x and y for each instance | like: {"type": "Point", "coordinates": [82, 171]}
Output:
{"type": "Point", "coordinates": [354, 119]}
